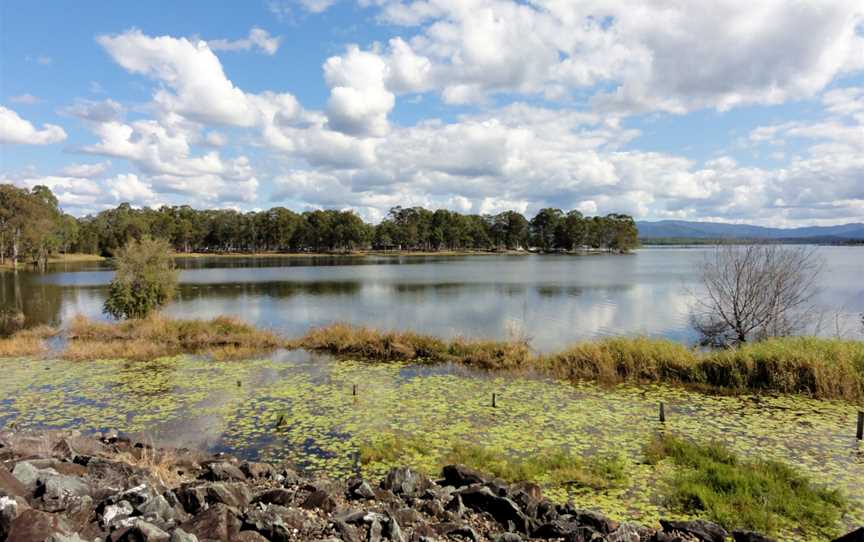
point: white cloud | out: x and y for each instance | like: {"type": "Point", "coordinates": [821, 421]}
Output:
{"type": "Point", "coordinates": [14, 129]}
{"type": "Point", "coordinates": [129, 188]}
{"type": "Point", "coordinates": [359, 100]}
{"type": "Point", "coordinates": [86, 170]}
{"type": "Point", "coordinates": [25, 99]}
{"type": "Point", "coordinates": [258, 39]}
{"type": "Point", "coordinates": [95, 111]}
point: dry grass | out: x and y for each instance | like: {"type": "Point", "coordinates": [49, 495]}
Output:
{"type": "Point", "coordinates": [823, 368]}
{"type": "Point", "coordinates": [157, 336]}
{"type": "Point", "coordinates": [159, 464]}
{"type": "Point", "coordinates": [26, 343]}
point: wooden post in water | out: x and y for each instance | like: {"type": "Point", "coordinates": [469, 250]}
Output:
{"type": "Point", "coordinates": [662, 413]}
{"type": "Point", "coordinates": [354, 390]}
{"type": "Point", "coordinates": [493, 400]}
{"type": "Point", "coordinates": [860, 433]}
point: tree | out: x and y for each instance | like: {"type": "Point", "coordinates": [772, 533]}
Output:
{"type": "Point", "coordinates": [145, 279]}
{"type": "Point", "coordinates": [753, 292]}
{"type": "Point", "coordinates": [544, 225]}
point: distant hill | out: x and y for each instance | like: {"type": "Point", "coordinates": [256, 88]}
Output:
{"type": "Point", "coordinates": [683, 229]}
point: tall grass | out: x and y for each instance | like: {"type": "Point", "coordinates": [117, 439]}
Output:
{"type": "Point", "coordinates": [766, 496]}
{"type": "Point", "coordinates": [156, 336]}
{"type": "Point", "coordinates": [27, 342]}
{"type": "Point", "coordinates": [822, 368]}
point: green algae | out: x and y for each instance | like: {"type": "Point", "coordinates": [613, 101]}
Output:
{"type": "Point", "coordinates": [300, 407]}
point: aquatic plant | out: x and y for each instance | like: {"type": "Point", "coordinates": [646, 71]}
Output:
{"type": "Point", "coordinates": [763, 495]}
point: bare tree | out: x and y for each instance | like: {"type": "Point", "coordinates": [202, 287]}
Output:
{"type": "Point", "coordinates": [752, 292]}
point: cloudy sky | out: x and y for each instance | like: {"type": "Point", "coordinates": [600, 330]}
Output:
{"type": "Point", "coordinates": [742, 111]}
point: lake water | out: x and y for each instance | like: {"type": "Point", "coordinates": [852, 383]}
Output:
{"type": "Point", "coordinates": [553, 299]}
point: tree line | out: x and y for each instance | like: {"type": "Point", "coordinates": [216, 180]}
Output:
{"type": "Point", "coordinates": [32, 227]}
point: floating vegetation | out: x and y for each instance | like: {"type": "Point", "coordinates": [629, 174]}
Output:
{"type": "Point", "coordinates": [763, 495]}
{"type": "Point", "coordinates": [324, 428]}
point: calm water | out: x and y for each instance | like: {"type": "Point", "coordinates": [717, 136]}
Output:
{"type": "Point", "coordinates": [553, 300]}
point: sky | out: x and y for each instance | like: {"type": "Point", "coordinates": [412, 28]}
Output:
{"type": "Point", "coordinates": [731, 110]}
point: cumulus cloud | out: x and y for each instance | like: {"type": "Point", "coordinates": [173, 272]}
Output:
{"type": "Point", "coordinates": [86, 170]}
{"type": "Point", "coordinates": [359, 100]}
{"type": "Point", "coordinates": [14, 129]}
{"type": "Point", "coordinates": [258, 39]}
{"type": "Point", "coordinates": [129, 188]}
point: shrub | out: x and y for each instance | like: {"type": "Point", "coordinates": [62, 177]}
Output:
{"type": "Point", "coordinates": [145, 279]}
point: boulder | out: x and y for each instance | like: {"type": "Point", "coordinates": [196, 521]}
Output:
{"type": "Point", "coordinates": [27, 474]}
{"type": "Point", "coordinates": [505, 511]}
{"type": "Point", "coordinates": [406, 482]}
{"type": "Point", "coordinates": [10, 486]}
{"type": "Point", "coordinates": [9, 510]}
{"type": "Point", "coordinates": [141, 531]}
{"type": "Point", "coordinates": [508, 537]}
{"type": "Point", "coordinates": [222, 471]}
{"type": "Point", "coordinates": [195, 496]}
{"type": "Point", "coordinates": [855, 536]}
{"type": "Point", "coordinates": [268, 522]}
{"type": "Point", "coordinates": [249, 536]}
{"type": "Point", "coordinates": [279, 496]}
{"type": "Point", "coordinates": [348, 533]}
{"type": "Point", "coordinates": [360, 489]}
{"type": "Point", "coordinates": [702, 530]}
{"type": "Point", "coordinates": [179, 535]}
{"type": "Point", "coordinates": [460, 476]}
{"type": "Point", "coordinates": [59, 491]}
{"type": "Point", "coordinates": [319, 499]}
{"type": "Point", "coordinates": [65, 538]}
{"type": "Point", "coordinates": [160, 510]}
{"type": "Point", "coordinates": [255, 470]}
{"type": "Point", "coordinates": [114, 513]}
{"type": "Point", "coordinates": [219, 522]}
{"type": "Point", "coordinates": [35, 526]}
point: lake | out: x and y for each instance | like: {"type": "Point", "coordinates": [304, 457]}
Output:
{"type": "Point", "coordinates": [551, 299]}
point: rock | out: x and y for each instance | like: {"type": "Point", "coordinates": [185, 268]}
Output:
{"type": "Point", "coordinates": [159, 509]}
{"type": "Point", "coordinates": [142, 531]}
{"type": "Point", "coordinates": [219, 522]}
{"type": "Point", "coordinates": [65, 538]}
{"type": "Point", "coordinates": [114, 513]}
{"type": "Point", "coordinates": [35, 526]}
{"type": "Point", "coordinates": [505, 511]}
{"type": "Point", "coordinates": [348, 533]}
{"type": "Point", "coordinates": [558, 528]}
{"type": "Point", "coordinates": [319, 499]}
{"type": "Point", "coordinates": [594, 520]}
{"type": "Point", "coordinates": [405, 481]}
{"type": "Point", "coordinates": [255, 470]}
{"type": "Point", "coordinates": [750, 536]}
{"type": "Point", "coordinates": [360, 489]}
{"type": "Point", "coordinates": [460, 476]}
{"type": "Point", "coordinates": [134, 495]}
{"type": "Point", "coordinates": [855, 536]}
{"type": "Point", "coordinates": [179, 535]}
{"type": "Point", "coordinates": [28, 475]}
{"type": "Point", "coordinates": [195, 496]}
{"type": "Point", "coordinates": [375, 532]}
{"type": "Point", "coordinates": [704, 531]}
{"type": "Point", "coordinates": [392, 530]}
{"type": "Point", "coordinates": [10, 486]}
{"type": "Point", "coordinates": [279, 496]}
{"type": "Point", "coordinates": [457, 529]}
{"type": "Point", "coordinates": [508, 537]}
{"type": "Point", "coordinates": [249, 536]}
{"type": "Point", "coordinates": [59, 491]}
{"type": "Point", "coordinates": [629, 532]}
{"type": "Point", "coordinates": [223, 471]}
{"type": "Point", "coordinates": [268, 522]}
{"type": "Point", "coordinates": [8, 512]}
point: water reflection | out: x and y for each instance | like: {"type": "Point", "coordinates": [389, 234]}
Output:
{"type": "Point", "coordinates": [553, 300]}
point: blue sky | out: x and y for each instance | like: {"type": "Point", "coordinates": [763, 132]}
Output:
{"type": "Point", "coordinates": [737, 112]}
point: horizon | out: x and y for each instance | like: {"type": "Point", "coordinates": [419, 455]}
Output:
{"type": "Point", "coordinates": [476, 107]}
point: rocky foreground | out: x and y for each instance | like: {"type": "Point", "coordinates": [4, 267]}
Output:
{"type": "Point", "coordinates": [65, 487]}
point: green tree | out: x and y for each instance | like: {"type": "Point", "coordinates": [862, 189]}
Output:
{"type": "Point", "coordinates": [145, 279]}
{"type": "Point", "coordinates": [544, 225]}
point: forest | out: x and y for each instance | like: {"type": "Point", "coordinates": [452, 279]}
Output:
{"type": "Point", "coordinates": [33, 228]}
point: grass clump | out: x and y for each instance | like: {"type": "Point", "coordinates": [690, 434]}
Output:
{"type": "Point", "coordinates": [27, 342]}
{"type": "Point", "coordinates": [766, 496]}
{"type": "Point", "coordinates": [159, 336]}
{"type": "Point", "coordinates": [556, 467]}
{"type": "Point", "coordinates": [819, 367]}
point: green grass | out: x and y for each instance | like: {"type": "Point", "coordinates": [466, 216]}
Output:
{"type": "Point", "coordinates": [556, 467]}
{"type": "Point", "coordinates": [766, 496]}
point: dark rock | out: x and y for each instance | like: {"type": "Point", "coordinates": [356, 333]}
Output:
{"type": "Point", "coordinates": [434, 508]}
{"type": "Point", "coordinates": [222, 471]}
{"type": "Point", "coordinates": [457, 529]}
{"type": "Point", "coordinates": [750, 536]}
{"type": "Point", "coordinates": [392, 530]}
{"type": "Point", "coordinates": [406, 482]}
{"type": "Point", "coordinates": [279, 496]}
{"type": "Point", "coordinates": [505, 511]}
{"type": "Point", "coordinates": [268, 522]}
{"type": "Point", "coordinates": [59, 491]}
{"type": "Point", "coordinates": [594, 520]}
{"type": "Point", "coordinates": [194, 495]}
{"type": "Point", "coordinates": [855, 536]}
{"type": "Point", "coordinates": [142, 531]}
{"type": "Point", "coordinates": [9, 510]}
{"type": "Point", "coordinates": [460, 476]}
{"type": "Point", "coordinates": [704, 531]}
{"type": "Point", "coordinates": [558, 528]}
{"type": "Point", "coordinates": [219, 522]}
{"type": "Point", "coordinates": [360, 489]}
{"type": "Point", "coordinates": [456, 507]}
{"type": "Point", "coordinates": [628, 532]}
{"type": "Point", "coordinates": [407, 516]}
{"type": "Point", "coordinates": [508, 537]}
{"type": "Point", "coordinates": [348, 533]}
{"type": "Point", "coordinates": [375, 532]}
{"type": "Point", "coordinates": [319, 499]}
{"type": "Point", "coordinates": [255, 470]}
{"type": "Point", "coordinates": [249, 536]}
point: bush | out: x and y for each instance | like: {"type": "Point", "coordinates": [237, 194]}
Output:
{"type": "Point", "coordinates": [145, 279]}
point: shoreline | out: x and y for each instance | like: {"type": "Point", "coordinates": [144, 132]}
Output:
{"type": "Point", "coordinates": [819, 368]}
{"type": "Point", "coordinates": [63, 484]}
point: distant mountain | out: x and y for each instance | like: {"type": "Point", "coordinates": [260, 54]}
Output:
{"type": "Point", "coordinates": [682, 229]}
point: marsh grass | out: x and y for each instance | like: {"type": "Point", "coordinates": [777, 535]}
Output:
{"type": "Point", "coordinates": [819, 367]}
{"type": "Point", "coordinates": [767, 496]}
{"type": "Point", "coordinates": [27, 342]}
{"type": "Point", "coordinates": [159, 336]}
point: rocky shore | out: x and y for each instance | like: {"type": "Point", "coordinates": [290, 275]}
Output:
{"type": "Point", "coordinates": [66, 487]}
